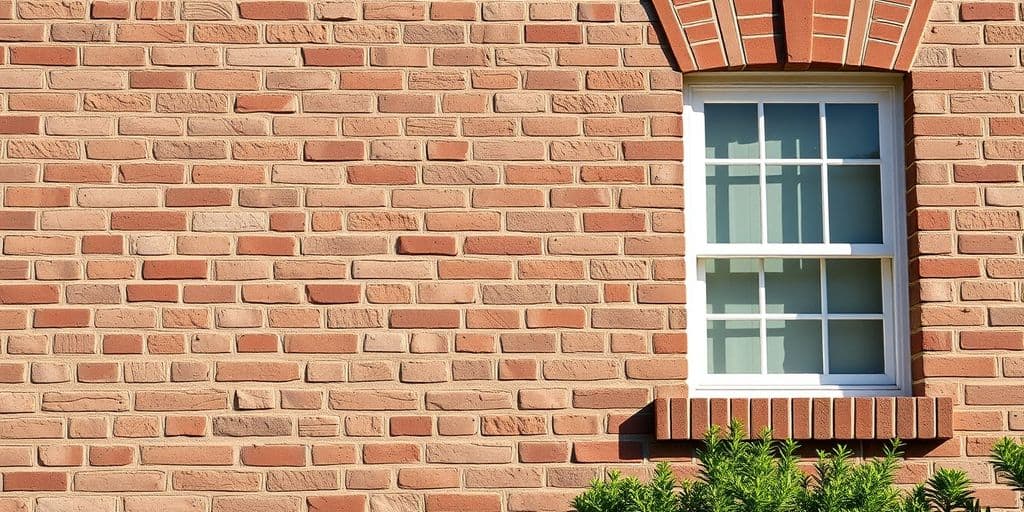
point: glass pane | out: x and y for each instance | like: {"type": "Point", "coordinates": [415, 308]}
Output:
{"type": "Point", "coordinates": [855, 204]}
{"type": "Point", "coordinates": [856, 346]}
{"type": "Point", "coordinates": [791, 130]}
{"type": "Point", "coordinates": [854, 285]}
{"type": "Point", "coordinates": [794, 204]}
{"type": "Point", "coordinates": [730, 130]}
{"type": "Point", "coordinates": [792, 286]}
{"type": "Point", "coordinates": [734, 346]}
{"type": "Point", "coordinates": [852, 130]}
{"type": "Point", "coordinates": [734, 204]}
{"type": "Point", "coordinates": [731, 285]}
{"type": "Point", "coordinates": [794, 346]}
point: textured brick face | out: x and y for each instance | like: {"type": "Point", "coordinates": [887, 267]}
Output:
{"type": "Point", "coordinates": [413, 255]}
{"type": "Point", "coordinates": [965, 247]}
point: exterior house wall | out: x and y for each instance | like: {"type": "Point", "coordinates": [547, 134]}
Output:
{"type": "Point", "coordinates": [411, 255]}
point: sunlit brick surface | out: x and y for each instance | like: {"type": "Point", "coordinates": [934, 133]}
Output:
{"type": "Point", "coordinates": [407, 255]}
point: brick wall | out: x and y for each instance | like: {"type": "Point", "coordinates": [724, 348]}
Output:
{"type": "Point", "coordinates": [409, 255]}
{"type": "Point", "coordinates": [964, 131]}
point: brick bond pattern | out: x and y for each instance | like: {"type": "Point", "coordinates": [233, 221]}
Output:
{"type": "Point", "coordinates": [404, 255]}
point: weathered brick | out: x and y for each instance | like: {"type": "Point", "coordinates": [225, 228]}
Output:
{"type": "Point", "coordinates": [481, 236]}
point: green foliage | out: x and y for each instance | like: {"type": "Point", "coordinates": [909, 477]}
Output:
{"type": "Point", "coordinates": [745, 476]}
{"type": "Point", "coordinates": [657, 496]}
{"type": "Point", "coordinates": [842, 486]}
{"type": "Point", "coordinates": [1008, 459]}
{"type": "Point", "coordinates": [608, 495]}
{"type": "Point", "coordinates": [949, 490]}
{"type": "Point", "coordinates": [627, 494]}
{"type": "Point", "coordinates": [761, 475]}
{"type": "Point", "coordinates": [916, 500]}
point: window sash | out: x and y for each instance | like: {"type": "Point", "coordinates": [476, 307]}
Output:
{"type": "Point", "coordinates": [892, 250]}
{"type": "Point", "coordinates": [763, 316]}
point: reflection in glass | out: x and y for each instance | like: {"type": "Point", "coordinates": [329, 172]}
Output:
{"type": "Point", "coordinates": [794, 204]}
{"type": "Point", "coordinates": [730, 130]}
{"type": "Point", "coordinates": [855, 204]}
{"type": "Point", "coordinates": [794, 346]}
{"type": "Point", "coordinates": [734, 204]}
{"type": "Point", "coordinates": [791, 130]}
{"type": "Point", "coordinates": [855, 347]}
{"type": "Point", "coordinates": [852, 130]}
{"type": "Point", "coordinates": [731, 285]}
{"type": "Point", "coordinates": [854, 285]}
{"type": "Point", "coordinates": [734, 346]}
{"type": "Point", "coordinates": [792, 285]}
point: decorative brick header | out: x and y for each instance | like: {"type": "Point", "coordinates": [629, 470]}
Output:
{"type": "Point", "coordinates": [809, 418]}
{"type": "Point", "coordinates": [709, 35]}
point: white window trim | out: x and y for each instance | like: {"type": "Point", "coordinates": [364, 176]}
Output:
{"type": "Point", "coordinates": [886, 89]}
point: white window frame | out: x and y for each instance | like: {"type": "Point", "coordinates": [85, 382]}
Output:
{"type": "Point", "coordinates": [886, 91]}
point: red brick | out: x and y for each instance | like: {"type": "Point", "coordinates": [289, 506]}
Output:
{"type": "Point", "coordinates": [987, 11]}
{"type": "Point", "coordinates": [554, 34]}
{"type": "Point", "coordinates": [273, 455]}
{"type": "Point", "coordinates": [333, 151]}
{"type": "Point", "coordinates": [447, 150]}
{"type": "Point", "coordinates": [44, 55]}
{"type": "Point", "coordinates": [508, 245]}
{"type": "Point", "coordinates": [174, 269]}
{"type": "Point", "coordinates": [452, 11]}
{"type": "Point", "coordinates": [436, 245]}
{"type": "Point", "coordinates": [424, 318]}
{"type": "Point", "coordinates": [330, 503]}
{"type": "Point", "coordinates": [29, 294]}
{"type": "Point", "coordinates": [274, 10]}
{"type": "Point", "coordinates": [115, 10]}
{"type": "Point", "coordinates": [19, 125]}
{"type": "Point", "coordinates": [454, 502]}
{"type": "Point", "coordinates": [35, 481]}
{"type": "Point", "coordinates": [266, 245]}
{"type": "Point", "coordinates": [333, 57]}
{"type": "Point", "coordinates": [55, 318]}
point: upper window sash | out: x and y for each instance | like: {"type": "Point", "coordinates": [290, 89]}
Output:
{"type": "Point", "coordinates": [695, 161]}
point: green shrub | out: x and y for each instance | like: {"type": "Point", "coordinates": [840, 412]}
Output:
{"type": "Point", "coordinates": [841, 485]}
{"type": "Point", "coordinates": [627, 494]}
{"type": "Point", "coordinates": [748, 476]}
{"type": "Point", "coordinates": [761, 475]}
{"type": "Point", "coordinates": [949, 490]}
{"type": "Point", "coordinates": [1008, 459]}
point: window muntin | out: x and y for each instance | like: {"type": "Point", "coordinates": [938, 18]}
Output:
{"type": "Point", "coordinates": [795, 252]}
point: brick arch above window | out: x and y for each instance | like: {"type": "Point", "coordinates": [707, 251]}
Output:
{"type": "Point", "coordinates": [706, 35]}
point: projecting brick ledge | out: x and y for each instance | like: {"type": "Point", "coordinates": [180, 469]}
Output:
{"type": "Point", "coordinates": [809, 418]}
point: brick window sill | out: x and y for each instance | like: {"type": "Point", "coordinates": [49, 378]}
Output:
{"type": "Point", "coordinates": [809, 418]}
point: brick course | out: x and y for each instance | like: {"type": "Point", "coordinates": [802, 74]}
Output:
{"type": "Point", "coordinates": [414, 255]}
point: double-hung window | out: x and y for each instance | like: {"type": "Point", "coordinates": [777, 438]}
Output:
{"type": "Point", "coordinates": [796, 261]}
